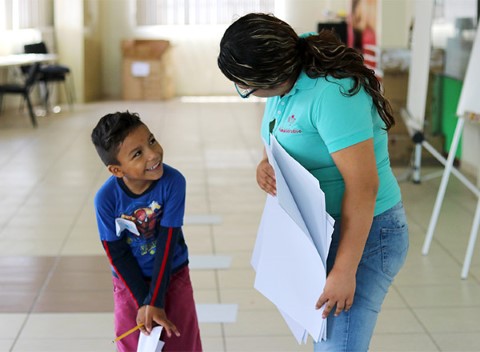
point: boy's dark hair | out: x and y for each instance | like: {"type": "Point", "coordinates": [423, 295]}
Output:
{"type": "Point", "coordinates": [111, 131]}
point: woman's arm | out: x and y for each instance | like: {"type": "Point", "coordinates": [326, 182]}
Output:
{"type": "Point", "coordinates": [358, 168]}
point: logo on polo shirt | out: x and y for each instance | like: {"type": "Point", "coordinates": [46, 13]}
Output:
{"type": "Point", "coordinates": [291, 120]}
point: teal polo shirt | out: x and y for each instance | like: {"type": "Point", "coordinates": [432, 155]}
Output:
{"type": "Point", "coordinates": [315, 120]}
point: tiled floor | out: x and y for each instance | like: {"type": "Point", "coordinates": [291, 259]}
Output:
{"type": "Point", "coordinates": [55, 290]}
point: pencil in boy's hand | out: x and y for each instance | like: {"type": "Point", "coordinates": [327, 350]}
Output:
{"type": "Point", "coordinates": [125, 334]}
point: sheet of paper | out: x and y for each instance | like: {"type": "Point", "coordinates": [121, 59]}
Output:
{"type": "Point", "coordinates": [290, 272]}
{"type": "Point", "coordinates": [308, 196]}
{"type": "Point", "coordinates": [140, 69]}
{"type": "Point", "coordinates": [257, 249]}
{"type": "Point", "coordinates": [292, 245]}
{"type": "Point", "coordinates": [297, 330]}
{"type": "Point", "coordinates": [124, 224]}
{"type": "Point", "coordinates": [284, 195]}
{"type": "Point", "coordinates": [151, 343]}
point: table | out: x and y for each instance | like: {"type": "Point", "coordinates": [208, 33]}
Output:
{"type": "Point", "coordinates": [12, 64]}
{"type": "Point", "coordinates": [25, 59]}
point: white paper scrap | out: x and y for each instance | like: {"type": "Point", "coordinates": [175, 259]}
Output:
{"type": "Point", "coordinates": [151, 343]}
{"type": "Point", "coordinates": [140, 69]}
{"type": "Point", "coordinates": [124, 224]}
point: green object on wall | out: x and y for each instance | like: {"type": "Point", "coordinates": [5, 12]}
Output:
{"type": "Point", "coordinates": [450, 95]}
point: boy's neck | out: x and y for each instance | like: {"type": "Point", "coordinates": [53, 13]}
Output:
{"type": "Point", "coordinates": [137, 187]}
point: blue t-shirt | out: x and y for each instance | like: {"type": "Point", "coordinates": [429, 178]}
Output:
{"type": "Point", "coordinates": [163, 203]}
{"type": "Point", "coordinates": [315, 119]}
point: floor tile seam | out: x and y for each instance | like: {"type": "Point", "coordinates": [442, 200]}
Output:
{"type": "Point", "coordinates": [73, 290]}
{"type": "Point", "coordinates": [254, 310]}
{"type": "Point", "coordinates": [476, 333]}
{"type": "Point", "coordinates": [436, 285]}
{"type": "Point", "coordinates": [462, 204]}
{"type": "Point", "coordinates": [455, 309]}
{"type": "Point", "coordinates": [206, 189]}
{"type": "Point", "coordinates": [20, 205]}
{"type": "Point", "coordinates": [427, 332]}
{"type": "Point", "coordinates": [402, 298]}
{"type": "Point", "coordinates": [237, 334]}
{"type": "Point", "coordinates": [444, 306]}
{"type": "Point", "coordinates": [445, 248]}
{"type": "Point", "coordinates": [19, 147]}
{"type": "Point", "coordinates": [20, 330]}
{"type": "Point", "coordinates": [78, 214]}
{"type": "Point", "coordinates": [417, 318]}
{"type": "Point", "coordinates": [59, 255]}
{"type": "Point", "coordinates": [460, 263]}
{"type": "Point", "coordinates": [245, 139]}
{"type": "Point", "coordinates": [34, 186]}
{"type": "Point", "coordinates": [396, 333]}
{"type": "Point", "coordinates": [273, 310]}
{"type": "Point", "coordinates": [206, 177]}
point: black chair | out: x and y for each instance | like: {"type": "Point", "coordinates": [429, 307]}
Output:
{"type": "Point", "coordinates": [49, 73]}
{"type": "Point", "coordinates": [23, 89]}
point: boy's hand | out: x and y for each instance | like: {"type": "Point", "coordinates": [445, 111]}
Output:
{"type": "Point", "coordinates": [156, 316]}
{"type": "Point", "coordinates": [141, 319]}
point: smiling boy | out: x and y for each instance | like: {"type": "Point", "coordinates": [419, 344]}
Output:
{"type": "Point", "coordinates": [139, 212]}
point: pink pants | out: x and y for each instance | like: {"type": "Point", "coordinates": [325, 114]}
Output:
{"type": "Point", "coordinates": [180, 310]}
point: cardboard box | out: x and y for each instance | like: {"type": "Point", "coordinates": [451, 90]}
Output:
{"type": "Point", "coordinates": [144, 49]}
{"type": "Point", "coordinates": [395, 85]}
{"type": "Point", "coordinates": [147, 71]}
{"type": "Point", "coordinates": [400, 148]}
{"type": "Point", "coordinates": [399, 127]}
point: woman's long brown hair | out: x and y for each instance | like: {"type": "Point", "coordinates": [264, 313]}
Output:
{"type": "Point", "coordinates": [262, 51]}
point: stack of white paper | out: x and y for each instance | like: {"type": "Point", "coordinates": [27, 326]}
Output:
{"type": "Point", "coordinates": [292, 245]}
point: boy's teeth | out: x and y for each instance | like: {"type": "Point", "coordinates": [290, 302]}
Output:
{"type": "Point", "coordinates": [153, 167]}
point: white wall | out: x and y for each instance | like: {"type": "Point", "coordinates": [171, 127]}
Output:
{"type": "Point", "coordinates": [194, 52]}
{"type": "Point", "coordinates": [393, 20]}
{"type": "Point", "coordinates": [116, 24]}
{"type": "Point", "coordinates": [304, 15]}
{"type": "Point", "coordinates": [69, 32]}
{"type": "Point", "coordinates": [470, 148]}
{"type": "Point", "coordinates": [195, 49]}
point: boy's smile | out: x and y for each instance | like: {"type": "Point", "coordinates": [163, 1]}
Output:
{"type": "Point", "coordinates": [140, 159]}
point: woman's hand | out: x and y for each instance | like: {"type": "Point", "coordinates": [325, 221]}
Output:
{"type": "Point", "coordinates": [266, 177]}
{"type": "Point", "coordinates": [339, 291]}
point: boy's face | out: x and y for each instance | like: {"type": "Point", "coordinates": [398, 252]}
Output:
{"type": "Point", "coordinates": [140, 159]}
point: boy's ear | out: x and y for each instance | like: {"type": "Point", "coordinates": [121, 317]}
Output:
{"type": "Point", "coordinates": [115, 170]}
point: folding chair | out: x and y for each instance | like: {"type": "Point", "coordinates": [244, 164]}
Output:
{"type": "Point", "coordinates": [23, 89]}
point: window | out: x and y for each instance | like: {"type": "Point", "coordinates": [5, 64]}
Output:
{"type": "Point", "coordinates": [197, 12]}
{"type": "Point", "coordinates": [21, 14]}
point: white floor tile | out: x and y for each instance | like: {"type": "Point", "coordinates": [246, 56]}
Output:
{"type": "Point", "coordinates": [10, 325]}
{"type": "Point", "coordinates": [210, 262]}
{"type": "Point", "coordinates": [50, 175]}
{"type": "Point", "coordinates": [217, 313]}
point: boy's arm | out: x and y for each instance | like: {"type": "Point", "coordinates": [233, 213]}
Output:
{"type": "Point", "coordinates": [127, 268]}
{"type": "Point", "coordinates": [169, 232]}
{"type": "Point", "coordinates": [117, 249]}
{"type": "Point", "coordinates": [166, 241]}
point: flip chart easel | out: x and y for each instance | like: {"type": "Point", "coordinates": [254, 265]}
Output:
{"type": "Point", "coordinates": [414, 113]}
{"type": "Point", "coordinates": [468, 108]}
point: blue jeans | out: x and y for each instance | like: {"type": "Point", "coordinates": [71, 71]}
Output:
{"type": "Point", "coordinates": [385, 252]}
